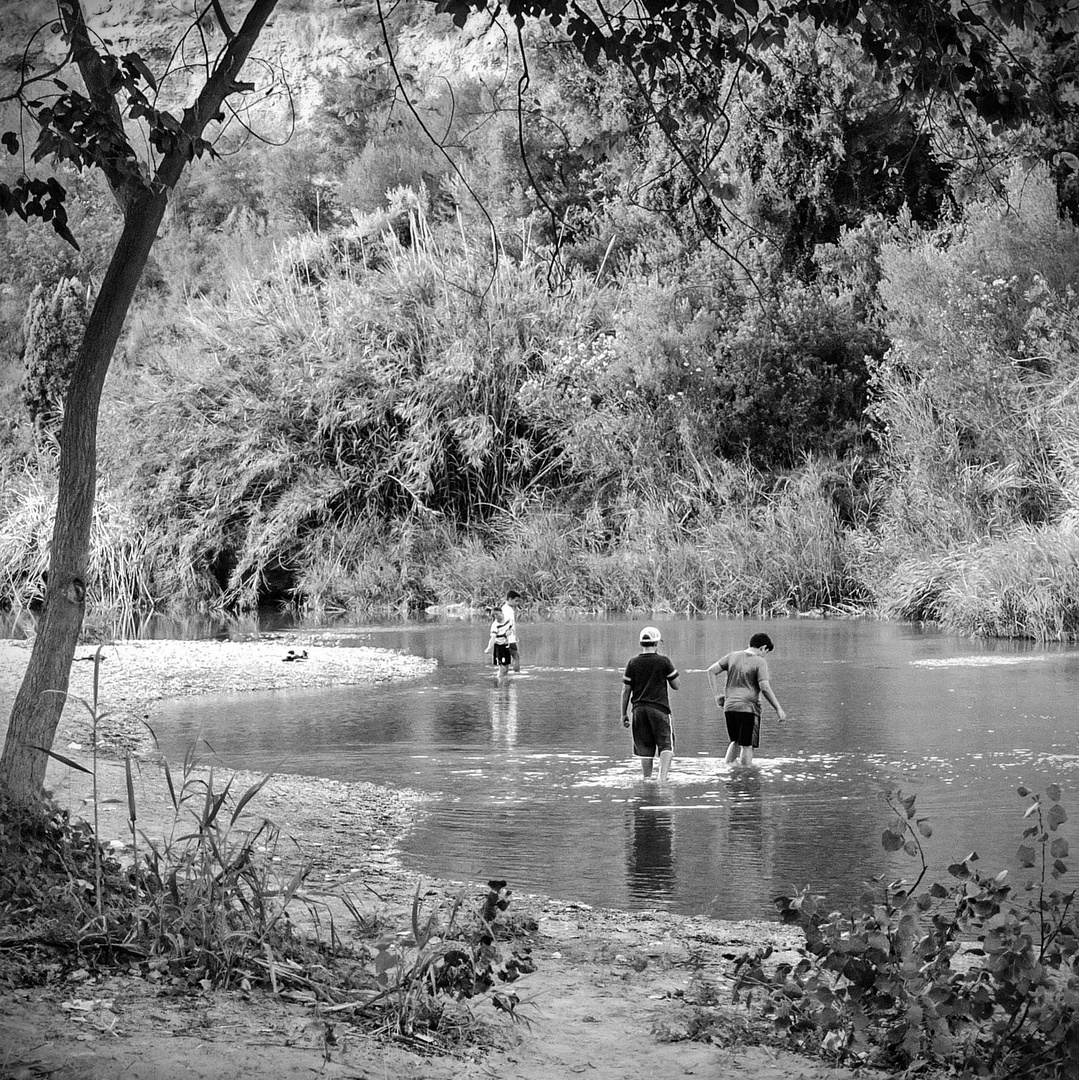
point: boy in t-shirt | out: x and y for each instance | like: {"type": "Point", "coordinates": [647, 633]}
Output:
{"type": "Point", "coordinates": [740, 699]}
{"type": "Point", "coordinates": [645, 683]}
{"type": "Point", "coordinates": [498, 643]}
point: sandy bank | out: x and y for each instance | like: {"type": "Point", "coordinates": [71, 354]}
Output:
{"type": "Point", "coordinates": [135, 674]}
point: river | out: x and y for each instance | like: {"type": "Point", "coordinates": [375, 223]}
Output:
{"type": "Point", "coordinates": [531, 779]}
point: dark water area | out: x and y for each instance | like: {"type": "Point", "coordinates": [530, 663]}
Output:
{"type": "Point", "coordinates": [531, 779]}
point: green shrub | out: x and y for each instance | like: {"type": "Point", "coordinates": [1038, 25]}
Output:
{"type": "Point", "coordinates": [976, 979]}
{"type": "Point", "coordinates": [52, 333]}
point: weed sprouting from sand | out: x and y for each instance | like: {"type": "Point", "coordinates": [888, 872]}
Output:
{"type": "Point", "coordinates": [449, 955]}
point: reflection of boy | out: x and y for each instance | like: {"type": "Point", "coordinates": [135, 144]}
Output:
{"type": "Point", "coordinates": [645, 682]}
{"type": "Point", "coordinates": [498, 643]}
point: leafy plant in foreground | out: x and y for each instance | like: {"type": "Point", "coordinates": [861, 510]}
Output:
{"type": "Point", "coordinates": [979, 978]}
{"type": "Point", "coordinates": [451, 956]}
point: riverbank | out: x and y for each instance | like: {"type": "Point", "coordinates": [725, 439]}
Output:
{"type": "Point", "coordinates": [615, 994]}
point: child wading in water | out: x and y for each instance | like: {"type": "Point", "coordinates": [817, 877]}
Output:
{"type": "Point", "coordinates": [498, 643]}
{"type": "Point", "coordinates": [646, 709]}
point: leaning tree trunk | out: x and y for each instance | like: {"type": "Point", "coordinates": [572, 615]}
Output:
{"type": "Point", "coordinates": [40, 700]}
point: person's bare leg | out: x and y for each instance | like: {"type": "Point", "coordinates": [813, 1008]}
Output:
{"type": "Point", "coordinates": [747, 756]}
{"type": "Point", "coordinates": [646, 767]}
{"type": "Point", "coordinates": [665, 759]}
{"type": "Point", "coordinates": [732, 753]}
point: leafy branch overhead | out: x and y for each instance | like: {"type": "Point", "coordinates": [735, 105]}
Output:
{"type": "Point", "coordinates": [955, 49]}
{"type": "Point", "coordinates": [933, 50]}
{"type": "Point", "coordinates": [88, 130]}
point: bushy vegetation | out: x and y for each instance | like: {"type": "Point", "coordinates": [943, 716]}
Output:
{"type": "Point", "coordinates": [974, 979]}
{"type": "Point", "coordinates": [219, 902]}
{"type": "Point", "coordinates": [363, 374]}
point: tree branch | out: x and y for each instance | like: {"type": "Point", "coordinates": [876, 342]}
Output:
{"type": "Point", "coordinates": [222, 82]}
{"type": "Point", "coordinates": [88, 61]}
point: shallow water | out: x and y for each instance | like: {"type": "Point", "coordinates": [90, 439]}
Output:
{"type": "Point", "coordinates": [532, 781]}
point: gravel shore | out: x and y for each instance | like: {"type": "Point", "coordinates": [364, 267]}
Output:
{"type": "Point", "coordinates": [340, 824]}
{"type": "Point", "coordinates": [136, 674]}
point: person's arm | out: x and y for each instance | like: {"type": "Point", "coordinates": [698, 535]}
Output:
{"type": "Point", "coordinates": [625, 705]}
{"type": "Point", "coordinates": [766, 690]}
{"type": "Point", "coordinates": [490, 641]}
{"type": "Point", "coordinates": [672, 675]}
{"type": "Point", "coordinates": [713, 681]}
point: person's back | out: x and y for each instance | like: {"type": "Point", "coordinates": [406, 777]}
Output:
{"type": "Point", "coordinates": [746, 682]}
{"type": "Point", "coordinates": [745, 672]}
{"type": "Point", "coordinates": [648, 674]}
{"type": "Point", "coordinates": [645, 705]}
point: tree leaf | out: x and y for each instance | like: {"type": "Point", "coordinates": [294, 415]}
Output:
{"type": "Point", "coordinates": [63, 760]}
{"type": "Point", "coordinates": [1027, 856]}
{"type": "Point", "coordinates": [891, 841]}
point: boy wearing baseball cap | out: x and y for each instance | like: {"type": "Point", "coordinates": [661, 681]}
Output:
{"type": "Point", "coordinates": [647, 678]}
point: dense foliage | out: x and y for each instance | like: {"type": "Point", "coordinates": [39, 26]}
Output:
{"type": "Point", "coordinates": [974, 979]}
{"type": "Point", "coordinates": [801, 357]}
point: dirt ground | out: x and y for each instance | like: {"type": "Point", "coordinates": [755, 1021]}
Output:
{"type": "Point", "coordinates": [614, 996]}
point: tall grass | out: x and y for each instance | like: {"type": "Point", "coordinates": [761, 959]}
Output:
{"type": "Point", "coordinates": [767, 548]}
{"type": "Point", "coordinates": [120, 570]}
{"type": "Point", "coordinates": [1024, 585]}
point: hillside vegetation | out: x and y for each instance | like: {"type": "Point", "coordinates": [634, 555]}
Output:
{"type": "Point", "coordinates": [390, 356]}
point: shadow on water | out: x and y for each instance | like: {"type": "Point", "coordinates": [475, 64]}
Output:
{"type": "Point", "coordinates": [530, 778]}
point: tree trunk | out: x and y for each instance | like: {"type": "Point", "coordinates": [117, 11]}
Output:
{"type": "Point", "coordinates": [40, 700]}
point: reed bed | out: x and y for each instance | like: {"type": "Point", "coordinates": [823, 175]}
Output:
{"type": "Point", "coordinates": [120, 579]}
{"type": "Point", "coordinates": [364, 422]}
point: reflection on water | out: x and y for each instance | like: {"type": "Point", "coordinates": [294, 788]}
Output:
{"type": "Point", "coordinates": [504, 712]}
{"type": "Point", "coordinates": [530, 776]}
{"type": "Point", "coordinates": [650, 853]}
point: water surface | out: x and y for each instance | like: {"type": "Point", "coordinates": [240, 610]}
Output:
{"type": "Point", "coordinates": [531, 778]}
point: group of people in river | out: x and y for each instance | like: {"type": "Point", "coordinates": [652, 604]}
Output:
{"type": "Point", "coordinates": [646, 708]}
{"type": "Point", "coordinates": [647, 680]}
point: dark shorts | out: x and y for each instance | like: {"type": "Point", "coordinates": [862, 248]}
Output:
{"type": "Point", "coordinates": [502, 655]}
{"type": "Point", "coordinates": [653, 731]}
{"type": "Point", "coordinates": [743, 728]}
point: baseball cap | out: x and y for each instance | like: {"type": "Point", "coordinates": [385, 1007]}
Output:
{"type": "Point", "coordinates": [650, 635]}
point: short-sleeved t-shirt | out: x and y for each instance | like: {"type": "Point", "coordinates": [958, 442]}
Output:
{"type": "Point", "coordinates": [509, 618]}
{"type": "Point", "coordinates": [648, 675]}
{"type": "Point", "coordinates": [745, 673]}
